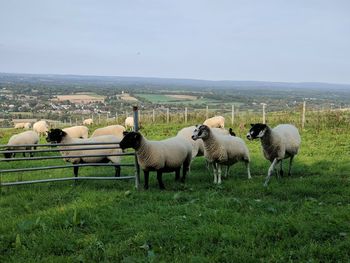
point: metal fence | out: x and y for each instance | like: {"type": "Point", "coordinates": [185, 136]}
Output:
{"type": "Point", "coordinates": [56, 148]}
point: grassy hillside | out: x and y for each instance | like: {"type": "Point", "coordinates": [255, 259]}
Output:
{"type": "Point", "coordinates": [304, 218]}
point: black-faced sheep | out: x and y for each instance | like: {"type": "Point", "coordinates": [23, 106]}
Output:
{"type": "Point", "coordinates": [81, 132]}
{"type": "Point", "coordinates": [222, 150]}
{"type": "Point", "coordinates": [27, 137]}
{"type": "Point", "coordinates": [161, 156]}
{"type": "Point", "coordinates": [59, 136]}
{"type": "Point", "coordinates": [278, 143]}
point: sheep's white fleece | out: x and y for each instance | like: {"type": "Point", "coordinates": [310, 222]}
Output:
{"type": "Point", "coordinates": [88, 122]}
{"type": "Point", "coordinates": [116, 130]}
{"type": "Point", "coordinates": [283, 141]}
{"type": "Point", "coordinates": [166, 155]}
{"type": "Point", "coordinates": [77, 132]}
{"type": "Point", "coordinates": [106, 138]}
{"type": "Point", "coordinates": [129, 122]}
{"type": "Point", "coordinates": [41, 127]}
{"type": "Point", "coordinates": [27, 137]}
{"type": "Point", "coordinates": [21, 125]}
{"type": "Point", "coordinates": [215, 122]}
{"type": "Point", "coordinates": [198, 146]}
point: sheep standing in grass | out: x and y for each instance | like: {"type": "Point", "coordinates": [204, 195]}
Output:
{"type": "Point", "coordinates": [116, 130]}
{"type": "Point", "coordinates": [88, 122]}
{"type": "Point", "coordinates": [81, 132]}
{"type": "Point", "coordinates": [222, 150]}
{"type": "Point", "coordinates": [41, 127]}
{"type": "Point", "coordinates": [215, 122]}
{"type": "Point", "coordinates": [27, 137]}
{"type": "Point", "coordinates": [129, 123]}
{"type": "Point", "coordinates": [197, 145]}
{"type": "Point", "coordinates": [27, 125]}
{"type": "Point", "coordinates": [59, 136]}
{"type": "Point", "coordinates": [279, 143]}
{"type": "Point", "coordinates": [161, 156]}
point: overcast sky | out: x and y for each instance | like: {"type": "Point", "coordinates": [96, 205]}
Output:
{"type": "Point", "coordinates": [279, 40]}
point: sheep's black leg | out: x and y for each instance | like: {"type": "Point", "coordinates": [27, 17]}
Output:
{"type": "Point", "coordinates": [177, 174]}
{"type": "Point", "coordinates": [146, 177]}
{"type": "Point", "coordinates": [185, 169]}
{"type": "Point", "coordinates": [281, 169]}
{"type": "Point", "coordinates": [76, 170]}
{"type": "Point", "coordinates": [290, 165]}
{"type": "Point", "coordinates": [117, 171]}
{"type": "Point", "coordinates": [160, 181]}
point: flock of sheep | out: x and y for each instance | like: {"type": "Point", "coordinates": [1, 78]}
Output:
{"type": "Point", "coordinates": [220, 147]}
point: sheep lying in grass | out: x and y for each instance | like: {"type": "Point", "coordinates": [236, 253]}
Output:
{"type": "Point", "coordinates": [215, 122]}
{"type": "Point", "coordinates": [222, 150]}
{"type": "Point", "coordinates": [81, 132]}
{"type": "Point", "coordinates": [116, 130]}
{"type": "Point", "coordinates": [23, 125]}
{"type": "Point", "coordinates": [161, 156]}
{"type": "Point", "coordinates": [279, 143]}
{"type": "Point", "coordinates": [41, 127]}
{"type": "Point", "coordinates": [59, 136]}
{"type": "Point", "coordinates": [27, 137]}
{"type": "Point", "coordinates": [198, 146]}
{"type": "Point", "coordinates": [88, 122]}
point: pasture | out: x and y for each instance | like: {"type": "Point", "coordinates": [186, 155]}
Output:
{"type": "Point", "coordinates": [303, 218]}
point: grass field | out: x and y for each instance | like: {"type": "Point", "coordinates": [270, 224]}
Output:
{"type": "Point", "coordinates": [304, 218]}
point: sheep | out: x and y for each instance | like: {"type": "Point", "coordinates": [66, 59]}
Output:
{"type": "Point", "coordinates": [198, 146]}
{"type": "Point", "coordinates": [60, 136]}
{"type": "Point", "coordinates": [279, 143]}
{"type": "Point", "coordinates": [222, 150]}
{"type": "Point", "coordinates": [41, 127]}
{"type": "Point", "coordinates": [27, 125]}
{"type": "Point", "coordinates": [88, 121]}
{"type": "Point", "coordinates": [129, 122]}
{"type": "Point", "coordinates": [77, 132]}
{"type": "Point", "coordinates": [215, 122]}
{"type": "Point", "coordinates": [19, 125]}
{"type": "Point", "coordinates": [162, 156]}
{"type": "Point", "coordinates": [116, 130]}
{"type": "Point", "coordinates": [23, 138]}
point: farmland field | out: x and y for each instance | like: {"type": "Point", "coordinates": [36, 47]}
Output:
{"type": "Point", "coordinates": [80, 98]}
{"type": "Point", "coordinates": [303, 218]}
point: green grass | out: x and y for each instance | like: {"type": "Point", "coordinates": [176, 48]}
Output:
{"type": "Point", "coordinates": [304, 218]}
{"type": "Point", "coordinates": [164, 99]}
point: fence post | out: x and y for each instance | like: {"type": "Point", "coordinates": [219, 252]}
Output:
{"type": "Point", "coordinates": [185, 114]}
{"type": "Point", "coordinates": [153, 116]}
{"type": "Point", "coordinates": [233, 114]}
{"type": "Point", "coordinates": [70, 121]}
{"type": "Point", "coordinates": [137, 167]}
{"type": "Point", "coordinates": [76, 121]}
{"type": "Point", "coordinates": [264, 115]}
{"type": "Point", "coordinates": [303, 116]}
{"type": "Point", "coordinates": [99, 118]}
{"type": "Point", "coordinates": [167, 115]}
{"type": "Point", "coordinates": [207, 113]}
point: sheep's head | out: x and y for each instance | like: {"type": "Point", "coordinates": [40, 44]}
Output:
{"type": "Point", "coordinates": [131, 140]}
{"type": "Point", "coordinates": [257, 130]}
{"type": "Point", "coordinates": [200, 132]}
{"type": "Point", "coordinates": [55, 135]}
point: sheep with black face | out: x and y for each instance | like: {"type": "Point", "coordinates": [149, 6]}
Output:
{"type": "Point", "coordinates": [222, 150]}
{"type": "Point", "coordinates": [279, 143]}
{"type": "Point", "coordinates": [60, 136]}
{"type": "Point", "coordinates": [168, 155]}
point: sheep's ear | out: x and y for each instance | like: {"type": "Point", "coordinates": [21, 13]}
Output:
{"type": "Point", "coordinates": [125, 133]}
{"type": "Point", "coordinates": [252, 124]}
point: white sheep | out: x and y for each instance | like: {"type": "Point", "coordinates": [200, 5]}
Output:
{"type": "Point", "coordinates": [116, 130]}
{"type": "Point", "coordinates": [27, 125]}
{"type": "Point", "coordinates": [77, 132]}
{"type": "Point", "coordinates": [129, 123]}
{"type": "Point", "coordinates": [215, 122]}
{"type": "Point", "coordinates": [279, 143]}
{"type": "Point", "coordinates": [88, 122]}
{"type": "Point", "coordinates": [41, 127]}
{"type": "Point", "coordinates": [59, 136]}
{"type": "Point", "coordinates": [197, 145]}
{"type": "Point", "coordinates": [222, 150]}
{"type": "Point", "coordinates": [23, 138]}
{"type": "Point", "coordinates": [19, 125]}
{"type": "Point", "coordinates": [162, 156]}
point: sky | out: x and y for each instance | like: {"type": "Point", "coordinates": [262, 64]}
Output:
{"type": "Point", "coordinates": [270, 40]}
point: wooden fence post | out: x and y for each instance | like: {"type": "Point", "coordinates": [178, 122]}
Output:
{"type": "Point", "coordinates": [167, 115]}
{"type": "Point", "coordinates": [233, 114]}
{"type": "Point", "coordinates": [207, 112]}
{"type": "Point", "coordinates": [264, 114]}
{"type": "Point", "coordinates": [303, 116]}
{"type": "Point", "coordinates": [153, 115]}
{"type": "Point", "coordinates": [99, 118]}
{"type": "Point", "coordinates": [185, 114]}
